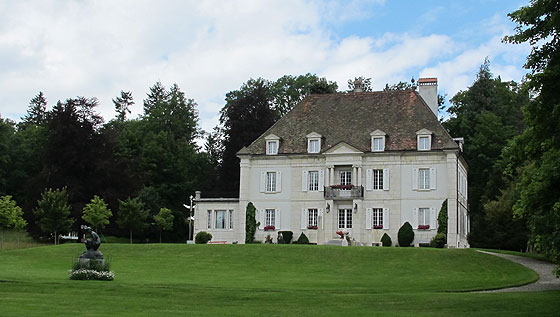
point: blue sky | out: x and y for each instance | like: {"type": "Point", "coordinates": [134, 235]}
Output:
{"type": "Point", "coordinates": [97, 48]}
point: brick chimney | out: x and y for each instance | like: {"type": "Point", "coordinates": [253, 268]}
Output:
{"type": "Point", "coordinates": [427, 88]}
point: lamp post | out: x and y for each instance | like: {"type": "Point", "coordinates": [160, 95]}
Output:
{"type": "Point", "coordinates": [190, 217]}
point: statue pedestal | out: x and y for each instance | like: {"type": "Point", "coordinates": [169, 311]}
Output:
{"type": "Point", "coordinates": [91, 255]}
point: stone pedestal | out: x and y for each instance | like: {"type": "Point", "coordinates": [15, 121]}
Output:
{"type": "Point", "coordinates": [91, 255]}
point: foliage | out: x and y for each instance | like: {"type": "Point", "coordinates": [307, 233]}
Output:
{"type": "Point", "coordinates": [251, 223]}
{"type": "Point", "coordinates": [202, 237]}
{"type": "Point", "coordinates": [442, 218]}
{"type": "Point", "coordinates": [360, 83]}
{"type": "Point", "coordinates": [96, 265]}
{"type": "Point", "coordinates": [122, 105]}
{"type": "Point", "coordinates": [400, 86]}
{"type": "Point", "coordinates": [487, 114]}
{"type": "Point", "coordinates": [439, 240]}
{"type": "Point", "coordinates": [91, 270]}
{"type": "Point", "coordinates": [287, 235]}
{"type": "Point", "coordinates": [405, 235]}
{"type": "Point", "coordinates": [534, 156]}
{"type": "Point", "coordinates": [53, 212]}
{"type": "Point", "coordinates": [11, 216]}
{"type": "Point", "coordinates": [96, 213]}
{"type": "Point", "coordinates": [386, 240]}
{"type": "Point", "coordinates": [132, 215]}
{"type": "Point", "coordinates": [36, 112]}
{"type": "Point", "coordinates": [302, 239]}
{"type": "Point", "coordinates": [164, 220]}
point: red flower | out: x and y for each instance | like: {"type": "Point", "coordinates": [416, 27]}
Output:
{"type": "Point", "coordinates": [345, 187]}
{"type": "Point", "coordinates": [312, 227]}
{"type": "Point", "coordinates": [266, 228]}
{"type": "Point", "coordinates": [339, 232]}
{"type": "Point", "coordinates": [424, 227]}
{"type": "Point", "coordinates": [378, 227]}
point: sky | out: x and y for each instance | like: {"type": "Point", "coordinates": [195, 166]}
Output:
{"type": "Point", "coordinates": [98, 48]}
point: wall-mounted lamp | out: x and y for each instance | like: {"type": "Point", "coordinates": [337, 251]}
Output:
{"type": "Point", "coordinates": [328, 208]}
{"type": "Point", "coordinates": [355, 207]}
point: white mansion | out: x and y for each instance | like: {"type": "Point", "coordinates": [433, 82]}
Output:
{"type": "Point", "coordinates": [360, 162]}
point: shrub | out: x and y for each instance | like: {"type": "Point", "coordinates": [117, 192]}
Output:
{"type": "Point", "coordinates": [302, 239]}
{"type": "Point", "coordinates": [251, 223]}
{"type": "Point", "coordinates": [202, 237]}
{"type": "Point", "coordinates": [386, 240]}
{"type": "Point", "coordinates": [287, 235]}
{"type": "Point", "coordinates": [442, 218]}
{"type": "Point", "coordinates": [439, 240]}
{"type": "Point", "coordinates": [406, 235]}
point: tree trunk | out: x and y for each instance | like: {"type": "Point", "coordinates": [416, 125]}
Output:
{"type": "Point", "coordinates": [55, 238]}
{"type": "Point", "coordinates": [2, 239]}
{"type": "Point", "coordinates": [130, 236]}
{"type": "Point", "coordinates": [160, 237]}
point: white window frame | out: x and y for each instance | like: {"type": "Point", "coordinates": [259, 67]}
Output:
{"type": "Point", "coordinates": [313, 179]}
{"type": "Point", "coordinates": [209, 219]}
{"type": "Point", "coordinates": [312, 217]}
{"type": "Point", "coordinates": [272, 147]}
{"type": "Point", "coordinates": [377, 217]}
{"type": "Point", "coordinates": [377, 179]}
{"type": "Point", "coordinates": [347, 180]}
{"type": "Point", "coordinates": [424, 143]}
{"type": "Point", "coordinates": [271, 180]}
{"type": "Point", "coordinates": [222, 225]}
{"type": "Point", "coordinates": [378, 135]}
{"type": "Point", "coordinates": [424, 217]}
{"type": "Point", "coordinates": [270, 217]}
{"type": "Point", "coordinates": [313, 147]}
{"type": "Point", "coordinates": [424, 182]}
{"type": "Point", "coordinates": [345, 218]}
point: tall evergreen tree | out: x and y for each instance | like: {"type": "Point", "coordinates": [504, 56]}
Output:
{"type": "Point", "coordinates": [122, 105]}
{"type": "Point", "coordinates": [36, 111]}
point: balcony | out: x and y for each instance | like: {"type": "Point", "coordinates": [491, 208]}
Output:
{"type": "Point", "coordinates": [344, 192]}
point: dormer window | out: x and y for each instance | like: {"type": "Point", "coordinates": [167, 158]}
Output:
{"type": "Point", "coordinates": [378, 141]}
{"type": "Point", "coordinates": [313, 143]}
{"type": "Point", "coordinates": [272, 144]}
{"type": "Point", "coordinates": [424, 140]}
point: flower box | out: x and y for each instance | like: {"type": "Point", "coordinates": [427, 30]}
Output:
{"type": "Point", "coordinates": [312, 227]}
{"type": "Point", "coordinates": [266, 228]}
{"type": "Point", "coordinates": [345, 187]}
{"type": "Point", "coordinates": [378, 227]}
{"type": "Point", "coordinates": [423, 227]}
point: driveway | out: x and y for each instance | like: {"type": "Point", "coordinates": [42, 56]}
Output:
{"type": "Point", "coordinates": [546, 281]}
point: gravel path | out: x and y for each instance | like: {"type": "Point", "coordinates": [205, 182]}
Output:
{"type": "Point", "coordinates": [546, 281]}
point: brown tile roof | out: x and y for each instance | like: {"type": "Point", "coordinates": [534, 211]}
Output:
{"type": "Point", "coordinates": [351, 117]}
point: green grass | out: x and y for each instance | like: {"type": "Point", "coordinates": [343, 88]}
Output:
{"type": "Point", "coordinates": [14, 239]}
{"type": "Point", "coordinates": [533, 255]}
{"type": "Point", "coordinates": [247, 280]}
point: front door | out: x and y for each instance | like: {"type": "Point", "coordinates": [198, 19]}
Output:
{"type": "Point", "coordinates": [345, 219]}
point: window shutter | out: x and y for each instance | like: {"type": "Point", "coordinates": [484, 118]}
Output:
{"type": "Point", "coordinates": [433, 218]}
{"type": "Point", "coordinates": [415, 218]}
{"type": "Point", "coordinates": [385, 179]}
{"type": "Point", "coordinates": [320, 215]}
{"type": "Point", "coordinates": [433, 178]}
{"type": "Point", "coordinates": [321, 180]}
{"type": "Point", "coordinates": [459, 223]}
{"type": "Point", "coordinates": [415, 178]}
{"type": "Point", "coordinates": [369, 179]}
{"type": "Point", "coordinates": [369, 216]}
{"type": "Point", "coordinates": [263, 182]}
{"type": "Point", "coordinates": [261, 219]}
{"type": "Point", "coordinates": [278, 181]}
{"type": "Point", "coordinates": [277, 219]}
{"type": "Point", "coordinates": [304, 181]}
{"type": "Point", "coordinates": [386, 218]}
{"type": "Point", "coordinates": [303, 218]}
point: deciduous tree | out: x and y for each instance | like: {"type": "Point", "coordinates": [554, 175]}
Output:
{"type": "Point", "coordinates": [164, 220]}
{"type": "Point", "coordinates": [96, 213]}
{"type": "Point", "coordinates": [53, 212]}
{"type": "Point", "coordinates": [132, 215]}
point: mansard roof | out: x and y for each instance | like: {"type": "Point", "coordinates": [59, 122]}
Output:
{"type": "Point", "coordinates": [351, 117]}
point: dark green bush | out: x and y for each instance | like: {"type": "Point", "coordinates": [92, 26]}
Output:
{"type": "Point", "coordinates": [406, 235]}
{"type": "Point", "coordinates": [302, 239]}
{"type": "Point", "coordinates": [442, 218]}
{"type": "Point", "coordinates": [287, 235]}
{"type": "Point", "coordinates": [386, 240]}
{"type": "Point", "coordinates": [202, 237]}
{"type": "Point", "coordinates": [439, 240]}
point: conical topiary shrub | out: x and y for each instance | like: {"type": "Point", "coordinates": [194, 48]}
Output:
{"type": "Point", "coordinates": [386, 240]}
{"type": "Point", "coordinates": [406, 235]}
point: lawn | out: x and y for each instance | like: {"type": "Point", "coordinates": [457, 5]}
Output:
{"type": "Point", "coordinates": [271, 280]}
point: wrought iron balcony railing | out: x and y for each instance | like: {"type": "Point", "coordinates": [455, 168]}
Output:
{"type": "Point", "coordinates": [342, 192]}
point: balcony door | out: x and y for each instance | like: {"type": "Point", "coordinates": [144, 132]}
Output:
{"type": "Point", "coordinates": [345, 219]}
{"type": "Point", "coordinates": [346, 177]}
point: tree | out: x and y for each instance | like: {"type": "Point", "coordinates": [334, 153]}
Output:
{"type": "Point", "coordinates": [96, 213]}
{"type": "Point", "coordinates": [53, 212]}
{"type": "Point", "coordinates": [132, 215]}
{"type": "Point", "coordinates": [11, 216]}
{"type": "Point", "coordinates": [36, 111]}
{"type": "Point", "coordinates": [123, 104]}
{"type": "Point", "coordinates": [360, 83]}
{"type": "Point", "coordinates": [251, 223]}
{"type": "Point", "coordinates": [405, 235]}
{"type": "Point", "coordinates": [442, 218]}
{"type": "Point", "coordinates": [536, 153]}
{"type": "Point", "coordinates": [164, 220]}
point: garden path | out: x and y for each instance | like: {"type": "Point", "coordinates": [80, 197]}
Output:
{"type": "Point", "coordinates": [547, 280]}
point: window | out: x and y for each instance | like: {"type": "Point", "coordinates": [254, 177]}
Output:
{"type": "Point", "coordinates": [220, 219]}
{"type": "Point", "coordinates": [209, 219]}
{"type": "Point", "coordinates": [313, 180]}
{"type": "Point", "coordinates": [345, 218]}
{"type": "Point", "coordinates": [423, 216]}
{"type": "Point", "coordinates": [270, 217]}
{"type": "Point", "coordinates": [345, 177]}
{"type": "Point", "coordinates": [378, 179]}
{"type": "Point", "coordinates": [312, 217]}
{"type": "Point", "coordinates": [424, 178]}
{"type": "Point", "coordinates": [377, 217]}
{"type": "Point", "coordinates": [377, 144]}
{"type": "Point", "coordinates": [231, 219]}
{"type": "Point", "coordinates": [272, 147]}
{"type": "Point", "coordinates": [424, 143]}
{"type": "Point", "coordinates": [313, 146]}
{"type": "Point", "coordinates": [271, 181]}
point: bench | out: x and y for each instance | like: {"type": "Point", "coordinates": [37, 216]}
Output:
{"type": "Point", "coordinates": [217, 242]}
